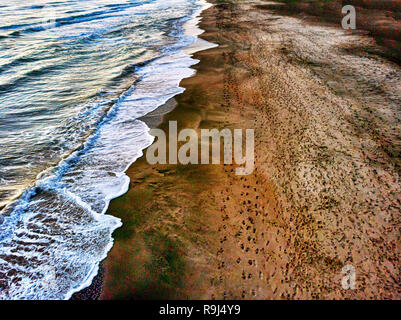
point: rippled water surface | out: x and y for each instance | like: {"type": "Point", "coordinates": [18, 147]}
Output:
{"type": "Point", "coordinates": [57, 61]}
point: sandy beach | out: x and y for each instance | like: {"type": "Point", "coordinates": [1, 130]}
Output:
{"type": "Point", "coordinates": [325, 191]}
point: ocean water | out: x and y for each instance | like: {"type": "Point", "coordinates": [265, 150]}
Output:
{"type": "Point", "coordinates": [75, 76]}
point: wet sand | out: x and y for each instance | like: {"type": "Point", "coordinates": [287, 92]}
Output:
{"type": "Point", "coordinates": [325, 191]}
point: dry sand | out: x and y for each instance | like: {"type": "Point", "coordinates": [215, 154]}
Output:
{"type": "Point", "coordinates": [326, 187]}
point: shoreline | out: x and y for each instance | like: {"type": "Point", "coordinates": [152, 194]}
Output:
{"type": "Point", "coordinates": [287, 230]}
{"type": "Point", "coordinates": [152, 119]}
{"type": "Point", "coordinates": [81, 184]}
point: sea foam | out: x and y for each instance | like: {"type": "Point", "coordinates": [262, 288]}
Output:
{"type": "Point", "coordinates": [55, 235]}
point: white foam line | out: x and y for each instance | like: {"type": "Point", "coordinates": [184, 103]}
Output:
{"type": "Point", "coordinates": [192, 28]}
{"type": "Point", "coordinates": [124, 189]}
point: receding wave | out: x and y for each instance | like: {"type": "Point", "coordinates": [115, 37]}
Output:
{"type": "Point", "coordinates": [56, 231]}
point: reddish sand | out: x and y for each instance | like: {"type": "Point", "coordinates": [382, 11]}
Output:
{"type": "Point", "coordinates": [326, 187]}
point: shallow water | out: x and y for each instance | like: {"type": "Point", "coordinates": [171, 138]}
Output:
{"type": "Point", "coordinates": [74, 78]}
